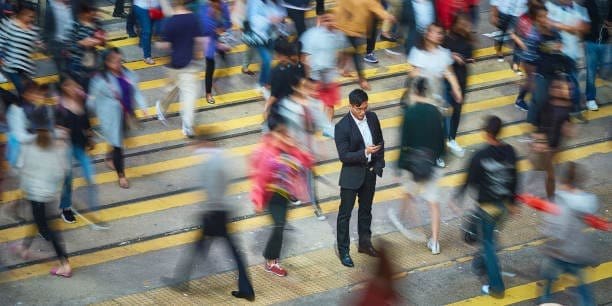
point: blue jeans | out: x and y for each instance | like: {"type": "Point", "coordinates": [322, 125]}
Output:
{"type": "Point", "coordinates": [146, 29]}
{"type": "Point", "coordinates": [18, 80]}
{"type": "Point", "coordinates": [551, 272]}
{"type": "Point", "coordinates": [266, 65]}
{"type": "Point", "coordinates": [12, 150]}
{"type": "Point", "coordinates": [597, 56]}
{"type": "Point", "coordinates": [88, 172]}
{"type": "Point", "coordinates": [487, 258]}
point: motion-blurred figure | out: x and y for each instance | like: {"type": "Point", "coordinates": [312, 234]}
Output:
{"type": "Point", "coordinates": [570, 249]}
{"type": "Point", "coordinates": [214, 179]}
{"type": "Point", "coordinates": [598, 47]}
{"type": "Point", "coordinates": [493, 173]}
{"type": "Point", "coordinates": [379, 290]}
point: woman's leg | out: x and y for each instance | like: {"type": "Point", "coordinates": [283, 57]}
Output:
{"type": "Point", "coordinates": [247, 59]}
{"type": "Point", "coordinates": [278, 211]}
{"type": "Point", "coordinates": [434, 209]}
{"type": "Point", "coordinates": [88, 173]}
{"type": "Point", "coordinates": [266, 61]}
{"type": "Point", "coordinates": [119, 167]}
{"type": "Point", "coordinates": [40, 218]}
{"type": "Point", "coordinates": [146, 27]}
{"type": "Point", "coordinates": [210, 71]}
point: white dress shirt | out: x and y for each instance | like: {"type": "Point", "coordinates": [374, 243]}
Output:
{"type": "Point", "coordinates": [366, 134]}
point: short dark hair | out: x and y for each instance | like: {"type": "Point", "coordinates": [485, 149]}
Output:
{"type": "Point", "coordinates": [283, 46]}
{"type": "Point", "coordinates": [358, 96]}
{"type": "Point", "coordinates": [492, 126]}
{"type": "Point", "coordinates": [421, 42]}
{"type": "Point", "coordinates": [26, 6]}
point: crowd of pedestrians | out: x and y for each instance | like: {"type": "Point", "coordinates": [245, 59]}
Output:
{"type": "Point", "coordinates": [300, 92]}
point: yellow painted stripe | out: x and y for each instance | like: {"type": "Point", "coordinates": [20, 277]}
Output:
{"type": "Point", "coordinates": [533, 290]}
{"type": "Point", "coordinates": [239, 226]}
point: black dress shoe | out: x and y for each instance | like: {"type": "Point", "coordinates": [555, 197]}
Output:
{"type": "Point", "coordinates": [346, 260]}
{"type": "Point", "coordinates": [240, 295]}
{"type": "Point", "coordinates": [370, 250]}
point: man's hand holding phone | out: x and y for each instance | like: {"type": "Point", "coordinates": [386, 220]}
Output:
{"type": "Point", "coordinates": [372, 149]}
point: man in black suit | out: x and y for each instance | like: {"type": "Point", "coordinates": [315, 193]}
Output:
{"type": "Point", "coordinates": [360, 146]}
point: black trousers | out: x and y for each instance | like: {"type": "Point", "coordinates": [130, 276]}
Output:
{"type": "Point", "coordinates": [214, 224]}
{"type": "Point", "coordinates": [298, 19]}
{"type": "Point", "coordinates": [210, 71]}
{"type": "Point", "coordinates": [119, 6]}
{"type": "Point", "coordinates": [278, 210]}
{"type": "Point", "coordinates": [40, 218]}
{"type": "Point", "coordinates": [118, 161]}
{"type": "Point", "coordinates": [371, 40]}
{"type": "Point", "coordinates": [354, 41]}
{"type": "Point", "coordinates": [364, 217]}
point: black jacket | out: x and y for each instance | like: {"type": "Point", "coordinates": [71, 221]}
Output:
{"type": "Point", "coordinates": [351, 150]}
{"type": "Point", "coordinates": [600, 11]}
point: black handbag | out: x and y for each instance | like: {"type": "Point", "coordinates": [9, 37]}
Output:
{"type": "Point", "coordinates": [418, 161]}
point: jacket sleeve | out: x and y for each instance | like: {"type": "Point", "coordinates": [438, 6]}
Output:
{"type": "Point", "coordinates": [379, 157]}
{"type": "Point", "coordinates": [226, 16]}
{"type": "Point", "coordinates": [343, 142]}
{"type": "Point", "coordinates": [377, 9]}
{"type": "Point", "coordinates": [208, 24]}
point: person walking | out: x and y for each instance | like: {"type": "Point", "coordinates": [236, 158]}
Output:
{"type": "Point", "coordinates": [42, 167]}
{"type": "Point", "coordinates": [56, 33]}
{"type": "Point", "coordinates": [278, 171]}
{"type": "Point", "coordinates": [492, 171]}
{"type": "Point", "coordinates": [215, 179]}
{"type": "Point", "coordinates": [86, 35]}
{"type": "Point", "coordinates": [215, 18]}
{"type": "Point", "coordinates": [353, 18]}
{"type": "Point", "coordinates": [183, 35]}
{"type": "Point", "coordinates": [416, 16]}
{"type": "Point", "coordinates": [114, 96]}
{"type": "Point", "coordinates": [72, 115]}
{"type": "Point", "coordinates": [361, 149]}
{"type": "Point", "coordinates": [119, 10]}
{"type": "Point", "coordinates": [504, 14]}
{"type": "Point", "coordinates": [141, 12]}
{"type": "Point", "coordinates": [460, 42]}
{"type": "Point", "coordinates": [18, 39]}
{"type": "Point", "coordinates": [598, 47]}
{"type": "Point", "coordinates": [432, 61]}
{"type": "Point", "coordinates": [296, 10]}
{"type": "Point", "coordinates": [417, 160]}
{"type": "Point", "coordinates": [321, 47]}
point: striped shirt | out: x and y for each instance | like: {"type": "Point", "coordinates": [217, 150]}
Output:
{"type": "Point", "coordinates": [79, 32]}
{"type": "Point", "coordinates": [16, 47]}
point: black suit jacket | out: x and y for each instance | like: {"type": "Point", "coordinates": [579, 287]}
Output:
{"type": "Point", "coordinates": [351, 150]}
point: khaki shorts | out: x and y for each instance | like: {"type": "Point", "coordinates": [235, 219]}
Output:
{"type": "Point", "coordinates": [426, 190]}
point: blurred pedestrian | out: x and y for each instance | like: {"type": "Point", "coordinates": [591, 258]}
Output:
{"type": "Point", "coordinates": [598, 47]}
{"type": "Point", "coordinates": [72, 115]}
{"type": "Point", "coordinates": [460, 41]}
{"type": "Point", "coordinates": [353, 18]}
{"type": "Point", "coordinates": [569, 248]}
{"type": "Point", "coordinates": [278, 170]}
{"type": "Point", "coordinates": [215, 179]}
{"type": "Point", "coordinates": [42, 167]}
{"type": "Point", "coordinates": [288, 66]}
{"type": "Point", "coordinates": [572, 20]}
{"type": "Point", "coordinates": [447, 11]}
{"type": "Point", "coordinates": [119, 10]}
{"type": "Point", "coordinates": [321, 47]}
{"type": "Point", "coordinates": [86, 35]}
{"type": "Point", "coordinates": [19, 38]}
{"type": "Point", "coordinates": [304, 117]}
{"type": "Point", "coordinates": [429, 59]}
{"type": "Point", "coordinates": [183, 36]}
{"type": "Point", "coordinates": [56, 33]}
{"type": "Point", "coordinates": [361, 149]}
{"type": "Point", "coordinates": [492, 172]}
{"type": "Point", "coordinates": [417, 160]}
{"type": "Point", "coordinates": [379, 290]}
{"type": "Point", "coordinates": [417, 15]}
{"type": "Point", "coordinates": [19, 120]}
{"type": "Point", "coordinates": [141, 12]}
{"type": "Point", "coordinates": [296, 10]}
{"type": "Point", "coordinates": [215, 18]}
{"type": "Point", "coordinates": [114, 96]}
{"type": "Point", "coordinates": [504, 14]}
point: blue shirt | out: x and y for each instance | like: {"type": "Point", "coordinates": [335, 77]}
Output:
{"type": "Point", "coordinates": [181, 31]}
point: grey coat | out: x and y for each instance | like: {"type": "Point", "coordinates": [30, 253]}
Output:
{"type": "Point", "coordinates": [103, 102]}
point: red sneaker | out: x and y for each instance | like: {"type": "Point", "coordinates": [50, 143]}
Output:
{"type": "Point", "coordinates": [276, 269]}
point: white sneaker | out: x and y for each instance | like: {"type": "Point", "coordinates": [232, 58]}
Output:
{"type": "Point", "coordinates": [455, 148]}
{"type": "Point", "coordinates": [409, 234]}
{"type": "Point", "coordinates": [440, 163]}
{"type": "Point", "coordinates": [434, 246]}
{"type": "Point", "coordinates": [265, 92]}
{"type": "Point", "coordinates": [592, 105]}
{"type": "Point", "coordinates": [160, 114]}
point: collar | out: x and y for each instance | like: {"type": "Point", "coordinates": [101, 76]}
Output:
{"type": "Point", "coordinates": [357, 121]}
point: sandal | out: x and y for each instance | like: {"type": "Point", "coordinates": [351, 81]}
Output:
{"type": "Point", "coordinates": [210, 99]}
{"type": "Point", "coordinates": [123, 183]}
{"type": "Point", "coordinates": [248, 72]}
{"type": "Point", "coordinates": [55, 271]}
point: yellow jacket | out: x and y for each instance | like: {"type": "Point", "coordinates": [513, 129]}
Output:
{"type": "Point", "coordinates": [353, 17]}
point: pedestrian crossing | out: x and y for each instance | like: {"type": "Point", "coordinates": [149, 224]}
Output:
{"type": "Point", "coordinates": [592, 141]}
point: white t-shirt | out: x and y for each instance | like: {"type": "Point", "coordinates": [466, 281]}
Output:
{"type": "Point", "coordinates": [146, 4]}
{"type": "Point", "coordinates": [322, 46]}
{"type": "Point", "coordinates": [515, 8]}
{"type": "Point", "coordinates": [571, 16]}
{"type": "Point", "coordinates": [431, 64]}
{"type": "Point", "coordinates": [424, 14]}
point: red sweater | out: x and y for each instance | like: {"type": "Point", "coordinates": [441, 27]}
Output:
{"type": "Point", "coordinates": [447, 9]}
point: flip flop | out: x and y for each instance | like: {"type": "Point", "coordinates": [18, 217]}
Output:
{"type": "Point", "coordinates": [54, 272]}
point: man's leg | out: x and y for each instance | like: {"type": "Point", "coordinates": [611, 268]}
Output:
{"type": "Point", "coordinates": [298, 19]}
{"type": "Point", "coordinates": [347, 202]}
{"type": "Point", "coordinates": [593, 59]}
{"type": "Point", "coordinates": [188, 84]}
{"type": "Point", "coordinates": [364, 213]}
{"type": "Point", "coordinates": [496, 283]}
{"type": "Point", "coordinates": [119, 8]}
{"type": "Point", "coordinates": [244, 284]}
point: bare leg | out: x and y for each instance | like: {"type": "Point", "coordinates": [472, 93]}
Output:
{"type": "Point", "coordinates": [435, 221]}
